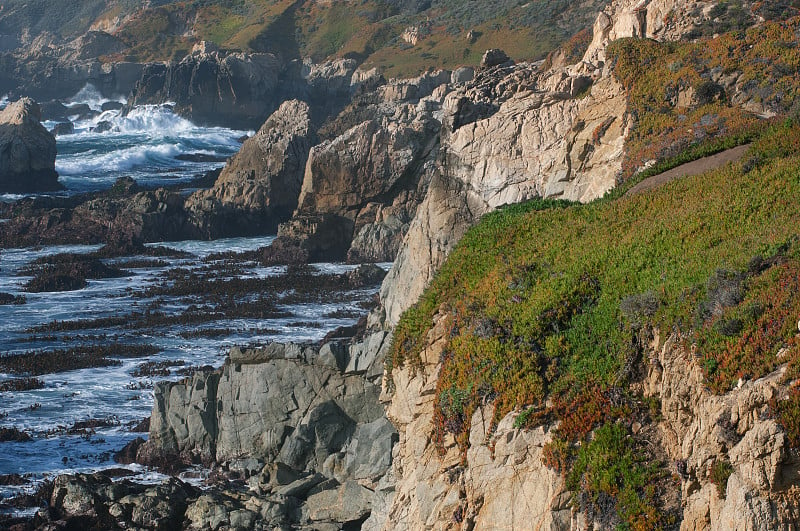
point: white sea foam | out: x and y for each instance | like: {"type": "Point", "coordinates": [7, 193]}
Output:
{"type": "Point", "coordinates": [90, 96]}
{"type": "Point", "coordinates": [204, 248]}
{"type": "Point", "coordinates": [118, 161]}
{"type": "Point", "coordinates": [144, 144]}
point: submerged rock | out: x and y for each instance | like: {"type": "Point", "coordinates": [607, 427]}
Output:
{"type": "Point", "coordinates": [27, 150]}
{"type": "Point", "coordinates": [63, 128]}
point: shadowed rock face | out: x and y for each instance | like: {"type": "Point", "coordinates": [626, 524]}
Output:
{"type": "Point", "coordinates": [27, 150]}
{"type": "Point", "coordinates": [259, 187]}
{"type": "Point", "coordinates": [237, 90]}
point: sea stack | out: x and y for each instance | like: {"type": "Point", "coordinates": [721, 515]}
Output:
{"type": "Point", "coordinates": [27, 150]}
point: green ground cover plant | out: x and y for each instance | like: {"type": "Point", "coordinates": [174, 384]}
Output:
{"type": "Point", "coordinates": [549, 305]}
{"type": "Point", "coordinates": [763, 61]}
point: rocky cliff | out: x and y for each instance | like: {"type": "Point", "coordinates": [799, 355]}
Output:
{"type": "Point", "coordinates": [500, 482]}
{"type": "Point", "coordinates": [259, 187]}
{"type": "Point", "coordinates": [408, 167]}
{"type": "Point", "coordinates": [362, 186]}
{"type": "Point", "coordinates": [27, 150]}
{"type": "Point", "coordinates": [214, 88]}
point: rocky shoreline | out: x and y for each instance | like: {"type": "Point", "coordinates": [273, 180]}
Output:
{"type": "Point", "coordinates": [322, 437]}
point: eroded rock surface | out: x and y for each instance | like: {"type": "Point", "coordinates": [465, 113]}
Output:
{"type": "Point", "coordinates": [27, 150]}
{"type": "Point", "coordinates": [259, 186]}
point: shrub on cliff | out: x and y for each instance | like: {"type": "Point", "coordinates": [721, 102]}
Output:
{"type": "Point", "coordinates": [548, 307]}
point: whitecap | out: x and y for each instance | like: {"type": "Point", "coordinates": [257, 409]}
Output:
{"type": "Point", "coordinates": [92, 97]}
{"type": "Point", "coordinates": [118, 161]}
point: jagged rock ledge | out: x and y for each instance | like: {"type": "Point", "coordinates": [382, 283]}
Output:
{"type": "Point", "coordinates": [295, 436]}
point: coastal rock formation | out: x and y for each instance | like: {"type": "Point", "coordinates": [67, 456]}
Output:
{"type": "Point", "coordinates": [503, 466]}
{"type": "Point", "coordinates": [303, 427]}
{"type": "Point", "coordinates": [298, 406]}
{"type": "Point", "coordinates": [121, 216]}
{"type": "Point", "coordinates": [700, 429]}
{"type": "Point", "coordinates": [46, 70]}
{"type": "Point", "coordinates": [438, 487]}
{"type": "Point", "coordinates": [259, 186]}
{"type": "Point", "coordinates": [514, 134]}
{"type": "Point", "coordinates": [235, 90]}
{"type": "Point", "coordinates": [361, 187]}
{"type": "Point", "coordinates": [27, 150]}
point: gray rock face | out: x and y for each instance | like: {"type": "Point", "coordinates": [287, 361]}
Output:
{"type": "Point", "coordinates": [312, 415]}
{"type": "Point", "coordinates": [27, 150]}
{"type": "Point", "coordinates": [350, 502]}
{"type": "Point", "coordinates": [281, 404]}
{"type": "Point", "coordinates": [259, 186]}
{"type": "Point", "coordinates": [238, 90]}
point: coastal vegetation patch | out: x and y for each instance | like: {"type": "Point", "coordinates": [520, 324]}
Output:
{"type": "Point", "coordinates": [709, 94]}
{"type": "Point", "coordinates": [551, 305]}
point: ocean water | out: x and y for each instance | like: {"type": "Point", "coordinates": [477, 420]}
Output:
{"type": "Point", "coordinates": [144, 145]}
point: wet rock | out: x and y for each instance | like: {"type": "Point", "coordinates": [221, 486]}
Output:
{"type": "Point", "coordinates": [81, 111]}
{"type": "Point", "coordinates": [102, 127]}
{"type": "Point", "coordinates": [161, 507]}
{"type": "Point", "coordinates": [323, 237]}
{"type": "Point", "coordinates": [63, 128]}
{"type": "Point", "coordinates": [53, 110]}
{"type": "Point", "coordinates": [127, 455]}
{"type": "Point", "coordinates": [13, 435]}
{"type": "Point", "coordinates": [366, 275]}
{"type": "Point", "coordinates": [27, 150]}
{"type": "Point", "coordinates": [77, 495]}
{"type": "Point", "coordinates": [8, 298]}
{"type": "Point", "coordinates": [21, 384]}
{"type": "Point", "coordinates": [111, 106]}
{"type": "Point", "coordinates": [13, 479]}
{"type": "Point", "coordinates": [284, 251]}
{"type": "Point", "coordinates": [200, 157]}
{"type": "Point", "coordinates": [69, 275]}
{"type": "Point", "coordinates": [142, 427]}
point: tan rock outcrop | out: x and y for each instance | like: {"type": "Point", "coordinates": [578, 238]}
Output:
{"type": "Point", "coordinates": [501, 484]}
{"type": "Point", "coordinates": [516, 134]}
{"type": "Point", "coordinates": [548, 141]}
{"type": "Point", "coordinates": [27, 150]}
{"type": "Point", "coordinates": [259, 187]}
{"type": "Point", "coordinates": [700, 428]}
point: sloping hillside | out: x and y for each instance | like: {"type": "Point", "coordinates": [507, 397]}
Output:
{"type": "Point", "coordinates": [613, 330]}
{"type": "Point", "coordinates": [400, 36]}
